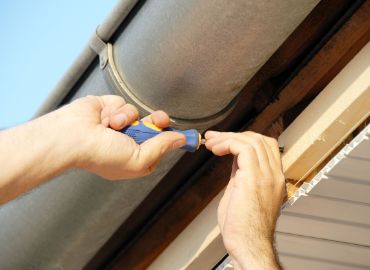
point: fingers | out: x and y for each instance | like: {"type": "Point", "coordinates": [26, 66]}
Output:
{"type": "Point", "coordinates": [238, 143]}
{"type": "Point", "coordinates": [274, 148]}
{"type": "Point", "coordinates": [112, 101]}
{"type": "Point", "coordinates": [158, 118]}
{"type": "Point", "coordinates": [266, 149]}
{"type": "Point", "coordinates": [151, 151]}
{"type": "Point", "coordinates": [116, 113]}
{"type": "Point", "coordinates": [123, 116]}
{"type": "Point", "coordinates": [109, 104]}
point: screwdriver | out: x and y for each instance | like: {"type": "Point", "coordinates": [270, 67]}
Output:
{"type": "Point", "coordinates": [141, 131]}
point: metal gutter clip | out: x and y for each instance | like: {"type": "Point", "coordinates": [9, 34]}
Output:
{"type": "Point", "coordinates": [100, 48]}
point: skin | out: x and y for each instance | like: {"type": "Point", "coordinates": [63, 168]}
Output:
{"type": "Point", "coordinates": [250, 206]}
{"type": "Point", "coordinates": [77, 136]}
{"type": "Point", "coordinates": [83, 134]}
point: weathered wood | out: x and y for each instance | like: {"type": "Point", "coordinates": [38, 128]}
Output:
{"type": "Point", "coordinates": [329, 119]}
{"type": "Point", "coordinates": [317, 74]}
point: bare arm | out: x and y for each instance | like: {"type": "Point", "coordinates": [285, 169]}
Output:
{"type": "Point", "coordinates": [78, 136]}
{"type": "Point", "coordinates": [249, 209]}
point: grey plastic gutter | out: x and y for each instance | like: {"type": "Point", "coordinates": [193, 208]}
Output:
{"type": "Point", "coordinates": [105, 31]}
{"type": "Point", "coordinates": [173, 54]}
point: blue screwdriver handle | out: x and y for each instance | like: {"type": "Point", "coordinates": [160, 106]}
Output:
{"type": "Point", "coordinates": [141, 131]}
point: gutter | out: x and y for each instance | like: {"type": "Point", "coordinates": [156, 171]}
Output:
{"type": "Point", "coordinates": [105, 31]}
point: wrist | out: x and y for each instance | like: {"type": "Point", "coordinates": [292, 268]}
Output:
{"type": "Point", "coordinates": [260, 255]}
{"type": "Point", "coordinates": [66, 145]}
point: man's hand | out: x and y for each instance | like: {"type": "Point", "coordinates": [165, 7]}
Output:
{"type": "Point", "coordinates": [111, 154]}
{"type": "Point", "coordinates": [249, 209]}
{"type": "Point", "coordinates": [83, 134]}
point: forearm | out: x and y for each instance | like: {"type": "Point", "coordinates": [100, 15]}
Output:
{"type": "Point", "coordinates": [32, 153]}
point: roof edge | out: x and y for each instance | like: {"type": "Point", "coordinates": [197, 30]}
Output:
{"type": "Point", "coordinates": [104, 31]}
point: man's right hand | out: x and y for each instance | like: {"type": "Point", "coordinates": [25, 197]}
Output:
{"type": "Point", "coordinates": [249, 209]}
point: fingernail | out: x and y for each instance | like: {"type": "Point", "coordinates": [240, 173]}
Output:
{"type": "Point", "coordinates": [121, 118]}
{"type": "Point", "coordinates": [131, 114]}
{"type": "Point", "coordinates": [210, 134]}
{"type": "Point", "coordinates": [178, 144]}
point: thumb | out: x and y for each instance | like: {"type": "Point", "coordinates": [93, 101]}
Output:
{"type": "Point", "coordinates": [152, 150]}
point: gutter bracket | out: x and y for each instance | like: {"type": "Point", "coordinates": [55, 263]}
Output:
{"type": "Point", "coordinates": [112, 75]}
{"type": "Point", "coordinates": [98, 45]}
{"type": "Point", "coordinates": [115, 79]}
